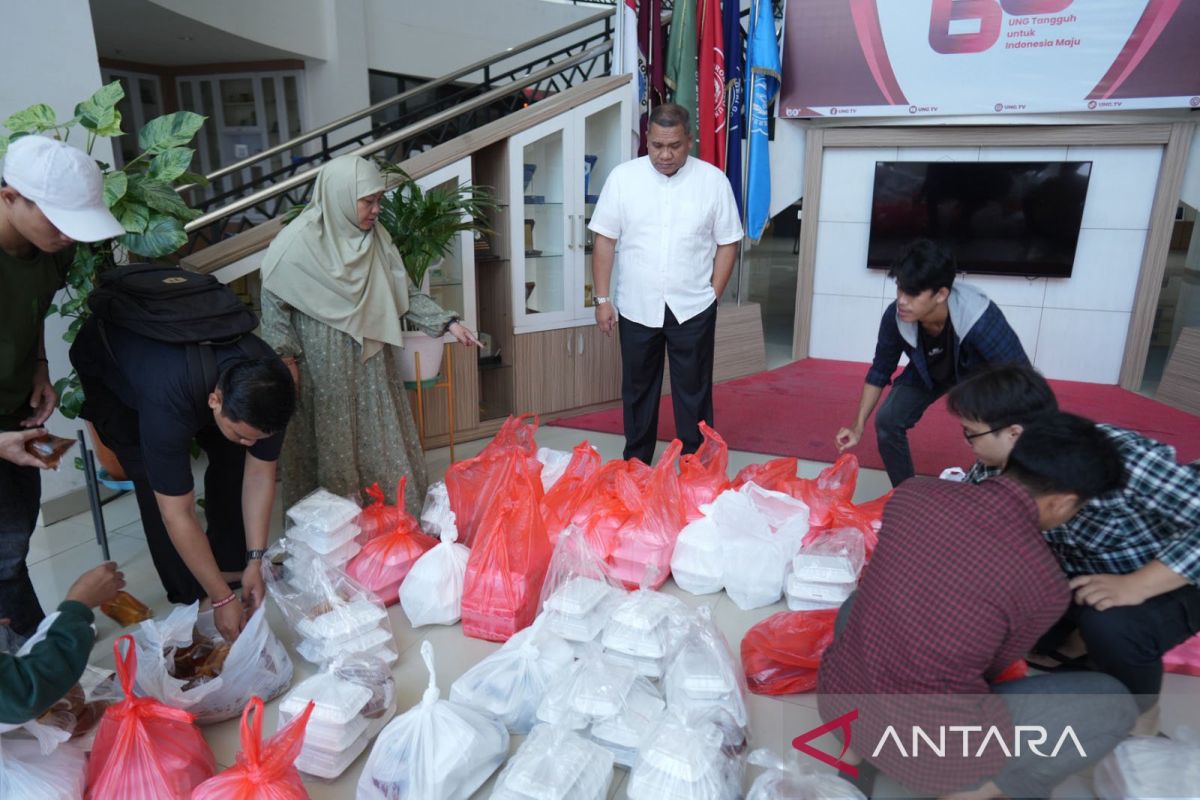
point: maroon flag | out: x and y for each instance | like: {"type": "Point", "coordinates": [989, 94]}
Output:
{"type": "Point", "coordinates": [652, 50]}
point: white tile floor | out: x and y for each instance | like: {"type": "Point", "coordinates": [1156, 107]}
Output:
{"type": "Point", "coordinates": [61, 552]}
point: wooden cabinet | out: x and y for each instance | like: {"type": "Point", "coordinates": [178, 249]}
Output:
{"type": "Point", "coordinates": [566, 368]}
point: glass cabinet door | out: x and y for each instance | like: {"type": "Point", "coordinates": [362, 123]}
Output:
{"type": "Point", "coordinates": [451, 280]}
{"type": "Point", "coordinates": [540, 231]}
{"type": "Point", "coordinates": [605, 144]}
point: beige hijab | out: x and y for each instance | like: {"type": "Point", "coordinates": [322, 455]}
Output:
{"type": "Point", "coordinates": [324, 265]}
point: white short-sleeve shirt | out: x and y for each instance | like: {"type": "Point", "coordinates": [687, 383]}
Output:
{"type": "Point", "coordinates": [667, 231]}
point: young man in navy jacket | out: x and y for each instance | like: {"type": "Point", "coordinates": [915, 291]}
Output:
{"type": "Point", "coordinates": [947, 331]}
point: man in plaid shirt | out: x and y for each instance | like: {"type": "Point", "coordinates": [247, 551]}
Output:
{"type": "Point", "coordinates": [960, 586]}
{"type": "Point", "coordinates": [1132, 555]}
{"type": "Point", "coordinates": [947, 330]}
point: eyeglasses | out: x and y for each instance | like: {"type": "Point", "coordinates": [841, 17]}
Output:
{"type": "Point", "coordinates": [970, 437]}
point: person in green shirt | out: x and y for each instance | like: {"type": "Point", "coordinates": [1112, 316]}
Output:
{"type": "Point", "coordinates": [52, 196]}
{"type": "Point", "coordinates": [32, 683]}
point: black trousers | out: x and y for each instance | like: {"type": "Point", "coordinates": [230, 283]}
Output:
{"type": "Point", "coordinates": [117, 426]}
{"type": "Point", "coordinates": [688, 347]}
{"type": "Point", "coordinates": [901, 410]}
{"type": "Point", "coordinates": [1128, 642]}
{"type": "Point", "coordinates": [20, 499]}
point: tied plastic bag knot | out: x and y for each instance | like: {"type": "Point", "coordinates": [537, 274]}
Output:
{"type": "Point", "coordinates": [432, 693]}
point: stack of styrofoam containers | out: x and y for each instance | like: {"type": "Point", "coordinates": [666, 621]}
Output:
{"type": "Point", "coordinates": [555, 763]}
{"type": "Point", "coordinates": [324, 523]}
{"type": "Point", "coordinates": [346, 716]}
{"type": "Point", "coordinates": [704, 675]}
{"type": "Point", "coordinates": [619, 706]}
{"type": "Point", "coordinates": [825, 572]}
{"type": "Point", "coordinates": [360, 625]}
{"type": "Point", "coordinates": [685, 762]}
{"type": "Point", "coordinates": [579, 609]}
{"type": "Point", "coordinates": [644, 630]}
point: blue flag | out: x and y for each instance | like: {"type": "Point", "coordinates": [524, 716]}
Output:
{"type": "Point", "coordinates": [762, 84]}
{"type": "Point", "coordinates": [734, 104]}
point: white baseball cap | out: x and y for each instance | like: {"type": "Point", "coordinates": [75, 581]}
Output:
{"type": "Point", "coordinates": [66, 185]}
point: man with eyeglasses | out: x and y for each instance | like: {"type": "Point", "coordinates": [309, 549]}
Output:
{"type": "Point", "coordinates": [1133, 555]}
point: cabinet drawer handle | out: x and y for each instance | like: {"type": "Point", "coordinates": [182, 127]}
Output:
{"type": "Point", "coordinates": [569, 346]}
{"type": "Point", "coordinates": [571, 226]}
{"type": "Point", "coordinates": [581, 344]}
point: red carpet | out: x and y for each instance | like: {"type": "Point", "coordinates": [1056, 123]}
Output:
{"type": "Point", "coordinates": [797, 409]}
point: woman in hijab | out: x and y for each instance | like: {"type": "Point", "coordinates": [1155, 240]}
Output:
{"type": "Point", "coordinates": [334, 294]}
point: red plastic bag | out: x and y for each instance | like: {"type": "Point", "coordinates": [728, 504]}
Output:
{"type": "Point", "coordinates": [385, 561]}
{"type": "Point", "coordinates": [262, 772]}
{"type": "Point", "coordinates": [472, 484]}
{"type": "Point", "coordinates": [632, 516]}
{"type": "Point", "coordinates": [1184, 659]}
{"type": "Point", "coordinates": [778, 475]}
{"type": "Point", "coordinates": [518, 432]}
{"type": "Point", "coordinates": [509, 560]}
{"type": "Point", "coordinates": [865, 517]}
{"type": "Point", "coordinates": [1013, 672]}
{"type": "Point", "coordinates": [561, 502]}
{"type": "Point", "coordinates": [704, 474]}
{"type": "Point", "coordinates": [378, 518]}
{"type": "Point", "coordinates": [145, 750]}
{"type": "Point", "coordinates": [834, 485]}
{"type": "Point", "coordinates": [782, 653]}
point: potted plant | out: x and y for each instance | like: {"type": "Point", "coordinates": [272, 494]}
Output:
{"type": "Point", "coordinates": [423, 224]}
{"type": "Point", "coordinates": [140, 194]}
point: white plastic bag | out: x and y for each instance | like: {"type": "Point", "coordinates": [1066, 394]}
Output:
{"type": "Point", "coordinates": [614, 701]}
{"type": "Point", "coordinates": [432, 592]}
{"type": "Point", "coordinates": [353, 698]}
{"type": "Point", "coordinates": [1151, 766]}
{"type": "Point", "coordinates": [647, 625]}
{"type": "Point", "coordinates": [437, 517]}
{"type": "Point", "coordinates": [697, 565]}
{"type": "Point", "coordinates": [331, 612]}
{"type": "Point", "coordinates": [556, 764]}
{"type": "Point", "coordinates": [48, 736]}
{"type": "Point", "coordinates": [834, 557]}
{"type": "Point", "coordinates": [437, 750]}
{"type": "Point", "coordinates": [26, 773]}
{"type": "Point", "coordinates": [685, 760]}
{"type": "Point", "coordinates": [257, 664]}
{"type": "Point", "coordinates": [704, 674]}
{"type": "Point", "coordinates": [511, 682]}
{"type": "Point", "coordinates": [554, 464]}
{"type": "Point", "coordinates": [758, 545]}
{"type": "Point", "coordinates": [787, 781]}
{"type": "Point", "coordinates": [578, 595]}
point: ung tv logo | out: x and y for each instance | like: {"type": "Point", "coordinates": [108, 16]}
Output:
{"type": "Point", "coordinates": [942, 741]}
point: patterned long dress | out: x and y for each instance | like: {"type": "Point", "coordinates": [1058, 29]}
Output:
{"type": "Point", "coordinates": [353, 425]}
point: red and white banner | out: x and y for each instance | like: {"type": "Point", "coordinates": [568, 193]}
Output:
{"type": "Point", "coordinates": [901, 57]}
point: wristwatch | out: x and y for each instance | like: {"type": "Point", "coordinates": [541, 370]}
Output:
{"type": "Point", "coordinates": [254, 555]}
{"type": "Point", "coordinates": [600, 300]}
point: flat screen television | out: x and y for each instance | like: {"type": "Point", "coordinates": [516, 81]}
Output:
{"type": "Point", "coordinates": [1000, 218]}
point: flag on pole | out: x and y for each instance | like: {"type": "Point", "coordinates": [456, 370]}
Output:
{"type": "Point", "coordinates": [711, 83]}
{"type": "Point", "coordinates": [651, 59]}
{"type": "Point", "coordinates": [762, 85]}
{"type": "Point", "coordinates": [630, 62]}
{"type": "Point", "coordinates": [681, 61]}
{"type": "Point", "coordinates": [735, 107]}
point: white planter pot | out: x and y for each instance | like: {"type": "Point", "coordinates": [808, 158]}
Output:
{"type": "Point", "coordinates": [430, 350]}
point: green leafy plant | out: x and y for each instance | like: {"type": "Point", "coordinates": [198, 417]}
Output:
{"type": "Point", "coordinates": [424, 223]}
{"type": "Point", "coordinates": [141, 194]}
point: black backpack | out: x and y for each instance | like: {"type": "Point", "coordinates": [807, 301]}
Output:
{"type": "Point", "coordinates": [169, 304]}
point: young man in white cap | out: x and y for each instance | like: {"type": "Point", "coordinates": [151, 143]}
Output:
{"type": "Point", "coordinates": [52, 196]}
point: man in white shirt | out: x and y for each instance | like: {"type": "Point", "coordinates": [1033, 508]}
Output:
{"type": "Point", "coordinates": [675, 222]}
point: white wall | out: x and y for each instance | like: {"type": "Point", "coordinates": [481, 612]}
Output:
{"type": "Point", "coordinates": [416, 37]}
{"type": "Point", "coordinates": [51, 42]}
{"type": "Point", "coordinates": [1072, 328]}
{"type": "Point", "coordinates": [294, 25]}
{"type": "Point", "coordinates": [339, 86]}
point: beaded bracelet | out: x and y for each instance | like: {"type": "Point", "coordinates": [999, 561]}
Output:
{"type": "Point", "coordinates": [225, 602]}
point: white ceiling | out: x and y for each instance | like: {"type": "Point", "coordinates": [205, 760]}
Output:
{"type": "Point", "coordinates": [142, 31]}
